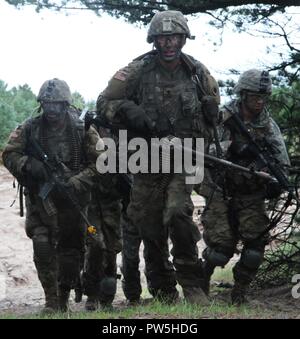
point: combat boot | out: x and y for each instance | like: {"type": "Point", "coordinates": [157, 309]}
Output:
{"type": "Point", "coordinates": [195, 295]}
{"type": "Point", "coordinates": [78, 294]}
{"type": "Point", "coordinates": [238, 294]}
{"type": "Point", "coordinates": [108, 289]}
{"type": "Point", "coordinates": [63, 299]}
{"type": "Point", "coordinates": [51, 306]}
{"type": "Point", "coordinates": [92, 303]}
{"type": "Point", "coordinates": [167, 296]}
{"type": "Point", "coordinates": [208, 271]}
{"type": "Point", "coordinates": [134, 301]}
{"type": "Point", "coordinates": [51, 302]}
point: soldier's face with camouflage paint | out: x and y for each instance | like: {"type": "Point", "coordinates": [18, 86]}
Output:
{"type": "Point", "coordinates": [54, 111]}
{"type": "Point", "coordinates": [169, 46]}
{"type": "Point", "coordinates": [255, 102]}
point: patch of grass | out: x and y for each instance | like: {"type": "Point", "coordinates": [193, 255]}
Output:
{"type": "Point", "coordinates": [157, 310]}
{"type": "Point", "coordinates": [218, 309]}
{"type": "Point", "coordinates": [223, 274]}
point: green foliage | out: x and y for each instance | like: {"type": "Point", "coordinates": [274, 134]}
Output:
{"type": "Point", "coordinates": [78, 100]}
{"type": "Point", "coordinates": [285, 108]}
{"type": "Point", "coordinates": [7, 121]}
{"type": "Point", "coordinates": [16, 105]}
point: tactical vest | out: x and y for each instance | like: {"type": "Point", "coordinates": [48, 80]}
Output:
{"type": "Point", "coordinates": [66, 147]}
{"type": "Point", "coordinates": [241, 183]}
{"type": "Point", "coordinates": [171, 100]}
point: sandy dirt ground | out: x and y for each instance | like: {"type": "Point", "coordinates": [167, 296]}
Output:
{"type": "Point", "coordinates": [20, 290]}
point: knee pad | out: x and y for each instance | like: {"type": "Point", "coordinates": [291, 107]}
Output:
{"type": "Point", "coordinates": [252, 258]}
{"type": "Point", "coordinates": [42, 249]}
{"type": "Point", "coordinates": [108, 286]}
{"type": "Point", "coordinates": [69, 268]}
{"type": "Point", "coordinates": [216, 257]}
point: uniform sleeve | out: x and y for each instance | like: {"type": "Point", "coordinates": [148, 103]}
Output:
{"type": "Point", "coordinates": [210, 99]}
{"type": "Point", "coordinates": [209, 83]}
{"type": "Point", "coordinates": [276, 142]}
{"type": "Point", "coordinates": [121, 88]}
{"type": "Point", "coordinates": [14, 157]}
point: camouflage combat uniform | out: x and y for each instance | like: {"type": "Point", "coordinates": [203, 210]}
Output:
{"type": "Point", "coordinates": [56, 229]}
{"type": "Point", "coordinates": [160, 205]}
{"type": "Point", "coordinates": [100, 269]}
{"type": "Point", "coordinates": [236, 209]}
{"type": "Point", "coordinates": [131, 281]}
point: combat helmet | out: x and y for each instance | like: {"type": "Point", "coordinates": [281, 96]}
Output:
{"type": "Point", "coordinates": [55, 90]}
{"type": "Point", "coordinates": [168, 22]}
{"type": "Point", "coordinates": [254, 80]}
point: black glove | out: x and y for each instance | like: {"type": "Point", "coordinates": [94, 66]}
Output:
{"type": "Point", "coordinates": [76, 185]}
{"type": "Point", "coordinates": [36, 169]}
{"type": "Point", "coordinates": [210, 109]}
{"type": "Point", "coordinates": [273, 189]}
{"type": "Point", "coordinates": [242, 150]}
{"type": "Point", "coordinates": [135, 117]}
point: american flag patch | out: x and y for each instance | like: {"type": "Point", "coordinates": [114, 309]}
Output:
{"type": "Point", "coordinates": [14, 134]}
{"type": "Point", "coordinates": [120, 75]}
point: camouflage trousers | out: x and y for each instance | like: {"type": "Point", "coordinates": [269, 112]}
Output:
{"type": "Point", "coordinates": [58, 244]}
{"type": "Point", "coordinates": [161, 208]}
{"type": "Point", "coordinates": [100, 258]}
{"type": "Point", "coordinates": [241, 218]}
{"type": "Point", "coordinates": [131, 282]}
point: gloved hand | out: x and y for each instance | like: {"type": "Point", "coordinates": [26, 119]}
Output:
{"type": "Point", "coordinates": [242, 150]}
{"type": "Point", "coordinates": [210, 109]}
{"type": "Point", "coordinates": [36, 169]}
{"type": "Point", "coordinates": [75, 185]}
{"type": "Point", "coordinates": [273, 190]}
{"type": "Point", "coordinates": [78, 189]}
{"type": "Point", "coordinates": [135, 117]}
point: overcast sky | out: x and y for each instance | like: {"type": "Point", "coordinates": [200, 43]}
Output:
{"type": "Point", "coordinates": [86, 50]}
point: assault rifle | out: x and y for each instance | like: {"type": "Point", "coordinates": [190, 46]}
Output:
{"type": "Point", "coordinates": [56, 179]}
{"type": "Point", "coordinates": [263, 154]}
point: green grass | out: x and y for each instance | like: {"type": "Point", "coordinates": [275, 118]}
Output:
{"type": "Point", "coordinates": [223, 274]}
{"type": "Point", "coordinates": [156, 310]}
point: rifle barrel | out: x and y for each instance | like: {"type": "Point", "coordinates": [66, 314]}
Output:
{"type": "Point", "coordinates": [226, 163]}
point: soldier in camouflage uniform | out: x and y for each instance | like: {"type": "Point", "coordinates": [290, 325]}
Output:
{"type": "Point", "coordinates": [100, 268]}
{"type": "Point", "coordinates": [56, 229]}
{"type": "Point", "coordinates": [157, 94]}
{"type": "Point", "coordinates": [236, 209]}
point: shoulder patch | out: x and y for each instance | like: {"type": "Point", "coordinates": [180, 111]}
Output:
{"type": "Point", "coordinates": [121, 75]}
{"type": "Point", "coordinates": [15, 134]}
